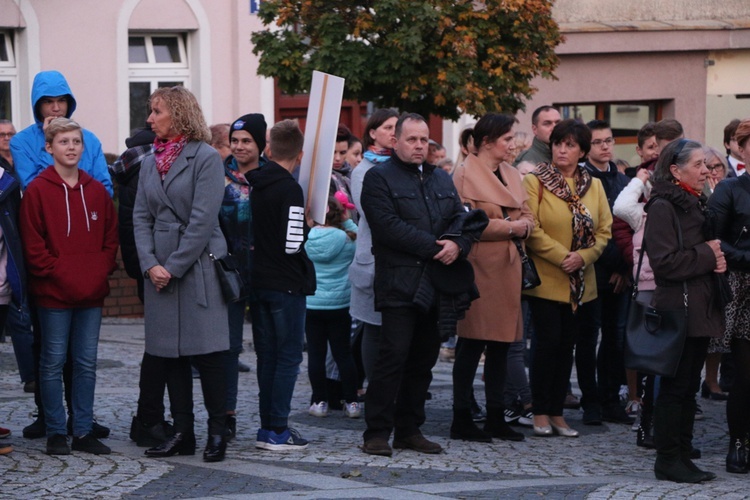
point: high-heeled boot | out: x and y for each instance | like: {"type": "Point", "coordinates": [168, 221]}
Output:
{"type": "Point", "coordinates": [464, 428]}
{"type": "Point", "coordinates": [737, 456]}
{"type": "Point", "coordinates": [182, 443]}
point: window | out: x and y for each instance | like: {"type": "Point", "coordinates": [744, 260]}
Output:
{"type": "Point", "coordinates": [625, 118]}
{"type": "Point", "coordinates": [154, 60]}
{"type": "Point", "coordinates": [8, 76]}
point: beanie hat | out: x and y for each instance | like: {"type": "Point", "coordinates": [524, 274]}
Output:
{"type": "Point", "coordinates": [255, 125]}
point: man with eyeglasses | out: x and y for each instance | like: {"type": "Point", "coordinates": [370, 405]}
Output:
{"type": "Point", "coordinates": [7, 131]}
{"type": "Point", "coordinates": [600, 377]}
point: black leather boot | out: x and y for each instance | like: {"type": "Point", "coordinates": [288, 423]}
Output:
{"type": "Point", "coordinates": [669, 465]}
{"type": "Point", "coordinates": [687, 452]}
{"type": "Point", "coordinates": [182, 443]}
{"type": "Point", "coordinates": [216, 448]}
{"type": "Point", "coordinates": [737, 456]}
{"type": "Point", "coordinates": [464, 428]}
{"type": "Point", "coordinates": [644, 438]}
{"type": "Point", "coordinates": [497, 427]}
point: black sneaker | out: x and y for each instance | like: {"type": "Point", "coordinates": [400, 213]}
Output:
{"type": "Point", "coordinates": [90, 444]}
{"type": "Point", "coordinates": [58, 445]}
{"type": "Point", "coordinates": [592, 415]}
{"type": "Point", "coordinates": [36, 429]}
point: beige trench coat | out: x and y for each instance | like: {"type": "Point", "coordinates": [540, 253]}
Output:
{"type": "Point", "coordinates": [496, 315]}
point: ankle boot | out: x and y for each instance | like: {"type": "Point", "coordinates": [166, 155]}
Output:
{"type": "Point", "coordinates": [644, 438]}
{"type": "Point", "coordinates": [497, 427]}
{"type": "Point", "coordinates": [464, 428]}
{"type": "Point", "coordinates": [216, 448]}
{"type": "Point", "coordinates": [669, 465]}
{"type": "Point", "coordinates": [687, 452]}
{"type": "Point", "coordinates": [182, 443]}
{"type": "Point", "coordinates": [737, 456]}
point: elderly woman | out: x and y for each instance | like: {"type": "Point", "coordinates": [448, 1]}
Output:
{"type": "Point", "coordinates": [677, 204]}
{"type": "Point", "coordinates": [717, 169]}
{"type": "Point", "coordinates": [731, 205]}
{"type": "Point", "coordinates": [572, 226]}
{"type": "Point", "coordinates": [485, 181]}
{"type": "Point", "coordinates": [176, 221]}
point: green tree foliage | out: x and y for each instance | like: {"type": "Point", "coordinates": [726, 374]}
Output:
{"type": "Point", "coordinates": [444, 57]}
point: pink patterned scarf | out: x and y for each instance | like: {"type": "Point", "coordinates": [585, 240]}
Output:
{"type": "Point", "coordinates": [166, 152]}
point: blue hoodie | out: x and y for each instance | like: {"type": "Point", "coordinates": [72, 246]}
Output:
{"type": "Point", "coordinates": [331, 251]}
{"type": "Point", "coordinates": [27, 147]}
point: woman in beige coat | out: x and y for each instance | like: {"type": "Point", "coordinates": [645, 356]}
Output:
{"type": "Point", "coordinates": [494, 321]}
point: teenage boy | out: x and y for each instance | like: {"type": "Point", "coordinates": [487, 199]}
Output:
{"type": "Point", "coordinates": [281, 277]}
{"type": "Point", "coordinates": [69, 232]}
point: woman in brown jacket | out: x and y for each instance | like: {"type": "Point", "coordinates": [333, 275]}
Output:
{"type": "Point", "coordinates": [486, 182]}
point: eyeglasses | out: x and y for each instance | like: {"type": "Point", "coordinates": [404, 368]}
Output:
{"type": "Point", "coordinates": [717, 166]}
{"type": "Point", "coordinates": [6, 135]}
{"type": "Point", "coordinates": [599, 142]}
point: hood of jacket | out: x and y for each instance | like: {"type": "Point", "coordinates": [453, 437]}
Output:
{"type": "Point", "coordinates": [268, 174]}
{"type": "Point", "coordinates": [674, 194]}
{"type": "Point", "coordinates": [325, 243]}
{"type": "Point", "coordinates": [50, 84]}
{"type": "Point", "coordinates": [51, 176]}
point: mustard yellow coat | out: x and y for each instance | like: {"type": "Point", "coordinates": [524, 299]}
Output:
{"type": "Point", "coordinates": [552, 236]}
{"type": "Point", "coordinates": [496, 315]}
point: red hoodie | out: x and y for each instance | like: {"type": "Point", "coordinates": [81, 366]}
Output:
{"type": "Point", "coordinates": [69, 240]}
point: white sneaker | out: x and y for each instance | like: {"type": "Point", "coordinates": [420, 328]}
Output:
{"type": "Point", "coordinates": [352, 410]}
{"type": "Point", "coordinates": [319, 409]}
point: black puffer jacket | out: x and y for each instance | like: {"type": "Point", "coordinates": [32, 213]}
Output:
{"type": "Point", "coordinates": [730, 204]}
{"type": "Point", "coordinates": [408, 212]}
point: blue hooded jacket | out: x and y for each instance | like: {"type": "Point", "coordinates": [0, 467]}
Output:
{"type": "Point", "coordinates": [27, 147]}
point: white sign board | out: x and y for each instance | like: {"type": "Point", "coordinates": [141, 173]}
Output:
{"type": "Point", "coordinates": [322, 124]}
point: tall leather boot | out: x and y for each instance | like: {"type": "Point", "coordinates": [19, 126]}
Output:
{"type": "Point", "coordinates": [497, 427]}
{"type": "Point", "coordinates": [669, 465]}
{"type": "Point", "coordinates": [464, 428]}
{"type": "Point", "coordinates": [644, 437]}
{"type": "Point", "coordinates": [687, 421]}
{"type": "Point", "coordinates": [737, 456]}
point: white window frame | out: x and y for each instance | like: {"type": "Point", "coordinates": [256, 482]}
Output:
{"type": "Point", "coordinates": [9, 73]}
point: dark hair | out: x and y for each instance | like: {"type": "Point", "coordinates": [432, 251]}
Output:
{"type": "Point", "coordinates": [537, 111]}
{"type": "Point", "coordinates": [408, 116]}
{"type": "Point", "coordinates": [572, 129]}
{"type": "Point", "coordinates": [678, 153]}
{"type": "Point", "coordinates": [668, 129]}
{"type": "Point", "coordinates": [490, 127]}
{"type": "Point", "coordinates": [353, 139]}
{"type": "Point", "coordinates": [645, 132]}
{"type": "Point", "coordinates": [742, 132]}
{"type": "Point", "coordinates": [335, 217]}
{"type": "Point", "coordinates": [729, 131]}
{"type": "Point", "coordinates": [378, 117]}
{"type": "Point", "coordinates": [598, 125]}
{"type": "Point", "coordinates": [343, 134]}
{"type": "Point", "coordinates": [463, 139]}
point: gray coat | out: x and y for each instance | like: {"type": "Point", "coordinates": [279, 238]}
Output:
{"type": "Point", "coordinates": [362, 269]}
{"type": "Point", "coordinates": [176, 223]}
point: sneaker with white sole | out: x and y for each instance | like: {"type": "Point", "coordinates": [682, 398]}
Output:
{"type": "Point", "coordinates": [319, 409]}
{"type": "Point", "coordinates": [511, 415]}
{"type": "Point", "coordinates": [633, 410]}
{"type": "Point", "coordinates": [352, 410]}
{"type": "Point", "coordinates": [290, 439]}
{"type": "Point", "coordinates": [527, 418]}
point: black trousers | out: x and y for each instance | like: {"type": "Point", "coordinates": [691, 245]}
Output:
{"type": "Point", "coordinates": [738, 406]}
{"type": "Point", "coordinates": [152, 384]}
{"type": "Point", "coordinates": [408, 349]}
{"type": "Point", "coordinates": [681, 388]}
{"type": "Point", "coordinates": [324, 328]}
{"type": "Point", "coordinates": [468, 353]}
{"type": "Point", "coordinates": [555, 333]}
{"type": "Point", "coordinates": [179, 378]}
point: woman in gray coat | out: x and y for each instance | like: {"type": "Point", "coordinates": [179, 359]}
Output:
{"type": "Point", "coordinates": [176, 228]}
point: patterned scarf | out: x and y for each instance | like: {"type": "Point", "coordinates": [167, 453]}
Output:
{"type": "Point", "coordinates": [166, 152]}
{"type": "Point", "coordinates": [583, 225]}
{"type": "Point", "coordinates": [376, 155]}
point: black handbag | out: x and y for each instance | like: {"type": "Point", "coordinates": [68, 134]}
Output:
{"type": "Point", "coordinates": [655, 338]}
{"type": "Point", "coordinates": [228, 272]}
{"type": "Point", "coordinates": [529, 276]}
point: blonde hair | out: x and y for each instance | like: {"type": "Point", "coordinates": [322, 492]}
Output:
{"type": "Point", "coordinates": [286, 140]}
{"type": "Point", "coordinates": [187, 116]}
{"type": "Point", "coordinates": [60, 125]}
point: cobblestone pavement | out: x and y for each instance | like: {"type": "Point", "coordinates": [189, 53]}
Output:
{"type": "Point", "coordinates": [603, 463]}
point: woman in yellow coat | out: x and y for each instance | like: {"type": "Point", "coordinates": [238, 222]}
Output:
{"type": "Point", "coordinates": [572, 226]}
{"type": "Point", "coordinates": [494, 321]}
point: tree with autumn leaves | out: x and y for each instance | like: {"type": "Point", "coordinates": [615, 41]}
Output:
{"type": "Point", "coordinates": [443, 57]}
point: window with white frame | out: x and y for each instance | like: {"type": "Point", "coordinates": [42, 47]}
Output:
{"type": "Point", "coordinates": [154, 60]}
{"type": "Point", "coordinates": [8, 76]}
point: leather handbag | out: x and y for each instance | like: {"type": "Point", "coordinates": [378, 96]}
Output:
{"type": "Point", "coordinates": [655, 338]}
{"type": "Point", "coordinates": [228, 272]}
{"type": "Point", "coordinates": [529, 275]}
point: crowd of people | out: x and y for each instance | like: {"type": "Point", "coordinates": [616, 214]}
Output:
{"type": "Point", "coordinates": [415, 251]}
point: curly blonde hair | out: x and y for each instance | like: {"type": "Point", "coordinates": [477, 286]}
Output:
{"type": "Point", "coordinates": [186, 113]}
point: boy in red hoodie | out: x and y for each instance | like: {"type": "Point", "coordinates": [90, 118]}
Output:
{"type": "Point", "coordinates": [69, 233]}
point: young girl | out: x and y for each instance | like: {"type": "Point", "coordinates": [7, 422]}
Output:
{"type": "Point", "coordinates": [331, 249]}
{"type": "Point", "coordinates": [69, 234]}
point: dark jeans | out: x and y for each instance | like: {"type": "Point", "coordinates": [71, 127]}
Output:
{"type": "Point", "coordinates": [516, 381]}
{"type": "Point", "coordinates": [18, 327]}
{"type": "Point", "coordinates": [324, 328]}
{"type": "Point", "coordinates": [179, 376]}
{"type": "Point", "coordinates": [681, 388]}
{"type": "Point", "coordinates": [409, 346]}
{"type": "Point", "coordinates": [738, 405]}
{"type": "Point", "coordinates": [555, 331]}
{"type": "Point", "coordinates": [152, 384]}
{"type": "Point", "coordinates": [278, 336]}
{"type": "Point", "coordinates": [236, 314]}
{"type": "Point", "coordinates": [468, 353]}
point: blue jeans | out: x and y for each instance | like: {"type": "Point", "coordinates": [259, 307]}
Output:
{"type": "Point", "coordinates": [78, 328]}
{"type": "Point", "coordinates": [18, 327]}
{"type": "Point", "coordinates": [236, 322]}
{"type": "Point", "coordinates": [278, 335]}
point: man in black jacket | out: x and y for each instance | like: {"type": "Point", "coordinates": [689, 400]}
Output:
{"type": "Point", "coordinates": [409, 204]}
